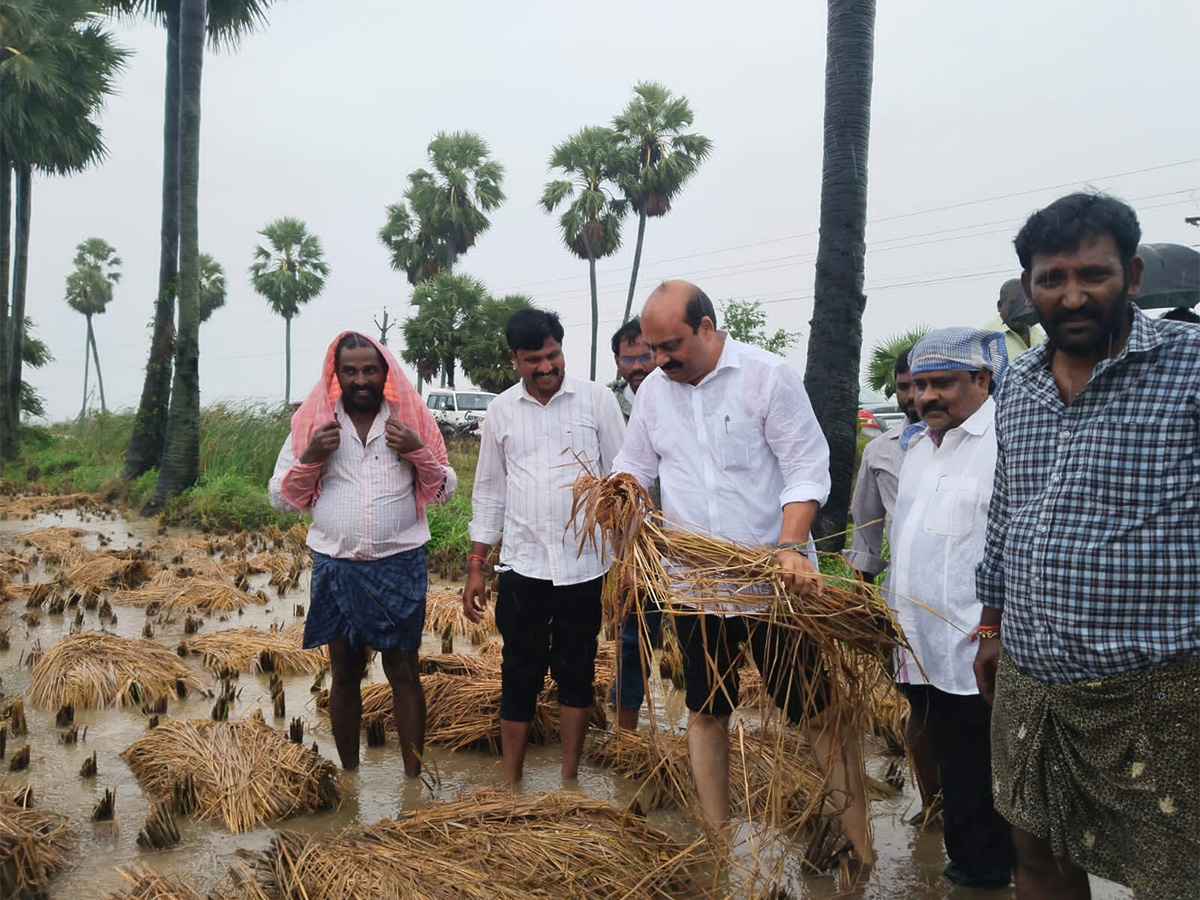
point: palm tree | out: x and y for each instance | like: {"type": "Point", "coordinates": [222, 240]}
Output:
{"type": "Point", "coordinates": [227, 22]}
{"type": "Point", "coordinates": [662, 157]}
{"type": "Point", "coordinates": [181, 452]}
{"type": "Point", "coordinates": [212, 287]}
{"type": "Point", "coordinates": [835, 339]}
{"type": "Point", "coordinates": [484, 352]}
{"type": "Point", "coordinates": [446, 207]}
{"type": "Point", "coordinates": [36, 356]}
{"type": "Point", "coordinates": [434, 335]}
{"type": "Point", "coordinates": [89, 291]}
{"type": "Point", "coordinates": [591, 222]}
{"type": "Point", "coordinates": [56, 67]}
{"type": "Point", "coordinates": [881, 368]}
{"type": "Point", "coordinates": [288, 273]}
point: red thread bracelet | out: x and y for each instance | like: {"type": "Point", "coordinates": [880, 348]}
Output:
{"type": "Point", "coordinates": [474, 556]}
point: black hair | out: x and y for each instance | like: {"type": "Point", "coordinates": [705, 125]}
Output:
{"type": "Point", "coordinates": [627, 334]}
{"type": "Point", "coordinates": [528, 329]}
{"type": "Point", "coordinates": [1182, 314]}
{"type": "Point", "coordinates": [699, 306]}
{"type": "Point", "coordinates": [352, 340]}
{"type": "Point", "coordinates": [1064, 224]}
{"type": "Point", "coordinates": [902, 364]}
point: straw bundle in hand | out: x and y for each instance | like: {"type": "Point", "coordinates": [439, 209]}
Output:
{"type": "Point", "coordinates": [443, 609]}
{"type": "Point", "coordinates": [243, 773]}
{"type": "Point", "coordinates": [34, 845]}
{"type": "Point", "coordinates": [490, 845]}
{"type": "Point", "coordinates": [94, 669]}
{"type": "Point", "coordinates": [255, 650]}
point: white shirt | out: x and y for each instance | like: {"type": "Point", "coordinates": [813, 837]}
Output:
{"type": "Point", "coordinates": [527, 465]}
{"type": "Point", "coordinates": [941, 516]}
{"type": "Point", "coordinates": [367, 508]}
{"type": "Point", "coordinates": [731, 450]}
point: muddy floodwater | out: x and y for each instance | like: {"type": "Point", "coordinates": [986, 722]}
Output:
{"type": "Point", "coordinates": [910, 861]}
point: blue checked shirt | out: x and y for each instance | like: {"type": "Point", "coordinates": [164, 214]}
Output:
{"type": "Point", "coordinates": [1093, 539]}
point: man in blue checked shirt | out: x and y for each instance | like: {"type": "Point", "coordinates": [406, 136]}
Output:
{"type": "Point", "coordinates": [1090, 633]}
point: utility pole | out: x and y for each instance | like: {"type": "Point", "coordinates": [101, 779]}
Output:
{"type": "Point", "coordinates": [383, 327]}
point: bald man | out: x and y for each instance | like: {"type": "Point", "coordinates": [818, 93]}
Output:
{"type": "Point", "coordinates": [1014, 320]}
{"type": "Point", "coordinates": [730, 432]}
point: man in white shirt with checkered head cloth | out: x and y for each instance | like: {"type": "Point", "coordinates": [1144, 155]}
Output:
{"type": "Point", "coordinates": [730, 432]}
{"type": "Point", "coordinates": [937, 537]}
{"type": "Point", "coordinates": [365, 458]}
{"type": "Point", "coordinates": [538, 437]}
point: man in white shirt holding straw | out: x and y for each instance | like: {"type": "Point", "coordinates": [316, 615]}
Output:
{"type": "Point", "coordinates": [730, 432]}
{"type": "Point", "coordinates": [538, 437]}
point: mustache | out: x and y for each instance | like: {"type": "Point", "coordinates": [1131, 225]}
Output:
{"type": "Point", "coordinates": [547, 373]}
{"type": "Point", "coordinates": [1090, 311]}
{"type": "Point", "coordinates": [933, 407]}
{"type": "Point", "coordinates": [673, 364]}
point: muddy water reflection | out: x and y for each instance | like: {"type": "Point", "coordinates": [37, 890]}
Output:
{"type": "Point", "coordinates": [910, 862]}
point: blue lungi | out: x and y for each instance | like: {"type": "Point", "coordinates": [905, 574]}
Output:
{"type": "Point", "coordinates": [376, 603]}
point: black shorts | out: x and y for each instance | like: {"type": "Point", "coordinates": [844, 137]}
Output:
{"type": "Point", "coordinates": [546, 626]}
{"type": "Point", "coordinates": [712, 650]}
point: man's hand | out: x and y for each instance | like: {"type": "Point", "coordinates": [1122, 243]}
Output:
{"type": "Point", "coordinates": [323, 442]}
{"type": "Point", "coordinates": [987, 658]}
{"type": "Point", "coordinates": [401, 438]}
{"type": "Point", "coordinates": [800, 574]}
{"type": "Point", "coordinates": [474, 594]}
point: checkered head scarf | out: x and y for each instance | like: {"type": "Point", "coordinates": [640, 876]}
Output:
{"type": "Point", "coordinates": [956, 349]}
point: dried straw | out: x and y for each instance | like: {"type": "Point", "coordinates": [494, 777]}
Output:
{"type": "Point", "coordinates": [54, 543]}
{"type": "Point", "coordinates": [26, 507]}
{"type": "Point", "coordinates": [206, 595]}
{"type": "Point", "coordinates": [92, 573]}
{"type": "Point", "coordinates": [95, 669]}
{"type": "Point", "coordinates": [490, 845]}
{"type": "Point", "coordinates": [443, 609]}
{"type": "Point", "coordinates": [146, 884]}
{"type": "Point", "coordinates": [255, 650]}
{"type": "Point", "coordinates": [34, 845]}
{"type": "Point", "coordinates": [244, 773]}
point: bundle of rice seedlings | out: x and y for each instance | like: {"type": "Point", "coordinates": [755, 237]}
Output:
{"type": "Point", "coordinates": [443, 609]}
{"type": "Point", "coordinates": [460, 664]}
{"type": "Point", "coordinates": [14, 564]}
{"type": "Point", "coordinates": [146, 884]}
{"type": "Point", "coordinates": [182, 548]}
{"type": "Point", "coordinates": [34, 846]}
{"type": "Point", "coordinates": [95, 669]}
{"type": "Point", "coordinates": [201, 567]}
{"type": "Point", "coordinates": [55, 543]}
{"type": "Point", "coordinates": [489, 844]}
{"type": "Point", "coordinates": [254, 650]}
{"type": "Point", "coordinates": [90, 574]}
{"type": "Point", "coordinates": [843, 624]}
{"type": "Point", "coordinates": [205, 595]}
{"type": "Point", "coordinates": [244, 773]}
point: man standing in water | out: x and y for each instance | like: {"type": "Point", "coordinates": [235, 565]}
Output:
{"type": "Point", "coordinates": [372, 459]}
{"type": "Point", "coordinates": [538, 437]}
{"type": "Point", "coordinates": [730, 433]}
{"type": "Point", "coordinates": [1090, 632]}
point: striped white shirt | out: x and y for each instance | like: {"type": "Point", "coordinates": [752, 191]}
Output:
{"type": "Point", "coordinates": [529, 456]}
{"type": "Point", "coordinates": [367, 508]}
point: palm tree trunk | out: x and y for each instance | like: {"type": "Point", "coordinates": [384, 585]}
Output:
{"type": "Point", "coordinates": [87, 361]}
{"type": "Point", "coordinates": [16, 322]}
{"type": "Point", "coordinates": [637, 262]}
{"type": "Point", "coordinates": [150, 425]}
{"type": "Point", "coordinates": [835, 338]}
{"type": "Point", "coordinates": [181, 454]}
{"type": "Point", "coordinates": [448, 368]}
{"type": "Point", "coordinates": [287, 360]}
{"type": "Point", "coordinates": [5, 254]}
{"type": "Point", "coordinates": [96, 356]}
{"type": "Point", "coordinates": [595, 300]}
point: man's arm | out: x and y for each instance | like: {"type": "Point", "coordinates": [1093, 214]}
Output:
{"type": "Point", "coordinates": [610, 426]}
{"type": "Point", "coordinates": [989, 577]}
{"type": "Point", "coordinates": [487, 514]}
{"type": "Point", "coordinates": [867, 511]}
{"type": "Point", "coordinates": [637, 455]}
{"type": "Point", "coordinates": [295, 482]}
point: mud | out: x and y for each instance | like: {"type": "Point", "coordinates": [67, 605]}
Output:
{"type": "Point", "coordinates": [910, 861]}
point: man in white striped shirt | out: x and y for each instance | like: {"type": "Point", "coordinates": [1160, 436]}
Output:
{"type": "Point", "coordinates": [537, 438]}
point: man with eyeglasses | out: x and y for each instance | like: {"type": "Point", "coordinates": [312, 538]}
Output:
{"type": "Point", "coordinates": [634, 362]}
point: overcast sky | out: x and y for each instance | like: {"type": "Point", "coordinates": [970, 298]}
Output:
{"type": "Point", "coordinates": [981, 113]}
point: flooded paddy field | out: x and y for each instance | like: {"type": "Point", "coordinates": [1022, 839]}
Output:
{"type": "Point", "coordinates": [910, 860]}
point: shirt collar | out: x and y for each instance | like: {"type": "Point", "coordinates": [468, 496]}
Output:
{"type": "Point", "coordinates": [730, 358]}
{"type": "Point", "coordinates": [567, 387]}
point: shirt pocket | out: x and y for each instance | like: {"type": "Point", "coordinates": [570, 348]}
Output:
{"type": "Point", "coordinates": [952, 508]}
{"type": "Point", "coordinates": [737, 442]}
{"type": "Point", "coordinates": [581, 441]}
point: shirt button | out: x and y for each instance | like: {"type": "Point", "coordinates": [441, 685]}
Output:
{"type": "Point", "coordinates": [1054, 478]}
{"type": "Point", "coordinates": [1036, 579]}
{"type": "Point", "coordinates": [1065, 433]}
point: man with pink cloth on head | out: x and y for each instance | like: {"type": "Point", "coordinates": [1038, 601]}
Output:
{"type": "Point", "coordinates": [365, 457]}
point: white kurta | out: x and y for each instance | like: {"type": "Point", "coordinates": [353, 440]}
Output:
{"type": "Point", "coordinates": [940, 519]}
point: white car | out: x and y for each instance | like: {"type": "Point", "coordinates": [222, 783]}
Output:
{"type": "Point", "coordinates": [458, 412]}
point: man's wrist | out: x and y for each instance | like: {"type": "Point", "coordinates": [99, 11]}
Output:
{"type": "Point", "coordinates": [800, 547]}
